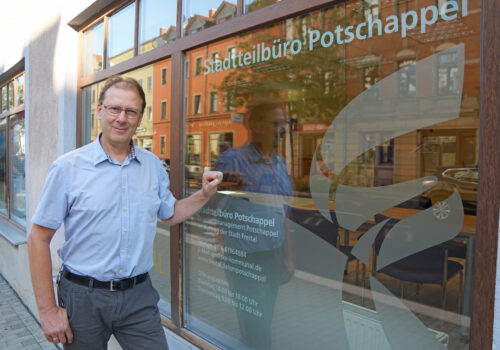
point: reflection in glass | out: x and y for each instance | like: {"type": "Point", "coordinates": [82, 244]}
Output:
{"type": "Point", "coordinates": [17, 152]}
{"type": "Point", "coordinates": [199, 15]}
{"type": "Point", "coordinates": [383, 173]}
{"type": "Point", "coordinates": [20, 89]}
{"type": "Point", "coordinates": [252, 5]}
{"type": "Point", "coordinates": [93, 49]}
{"type": "Point", "coordinates": [4, 98]}
{"type": "Point", "coordinates": [10, 88]}
{"type": "Point", "coordinates": [120, 44]}
{"type": "Point", "coordinates": [156, 23]}
{"type": "Point", "coordinates": [3, 166]}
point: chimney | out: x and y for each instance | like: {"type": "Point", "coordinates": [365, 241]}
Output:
{"type": "Point", "coordinates": [211, 12]}
{"type": "Point", "coordinates": [163, 31]}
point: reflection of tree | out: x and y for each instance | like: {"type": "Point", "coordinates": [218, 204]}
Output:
{"type": "Point", "coordinates": [312, 83]}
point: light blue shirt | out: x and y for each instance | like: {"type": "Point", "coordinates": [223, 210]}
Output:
{"type": "Point", "coordinates": [109, 210]}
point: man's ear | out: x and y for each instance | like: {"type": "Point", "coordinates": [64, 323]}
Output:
{"type": "Point", "coordinates": [99, 111]}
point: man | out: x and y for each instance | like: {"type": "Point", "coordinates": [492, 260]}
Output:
{"type": "Point", "coordinates": [109, 195]}
{"type": "Point", "coordinates": [258, 170]}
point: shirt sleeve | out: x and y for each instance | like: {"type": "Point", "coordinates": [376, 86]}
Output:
{"type": "Point", "coordinates": [167, 199]}
{"type": "Point", "coordinates": [52, 206]}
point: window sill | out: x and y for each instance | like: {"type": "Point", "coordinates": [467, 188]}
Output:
{"type": "Point", "coordinates": [12, 233]}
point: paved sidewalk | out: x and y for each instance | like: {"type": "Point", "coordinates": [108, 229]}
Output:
{"type": "Point", "coordinates": [19, 330]}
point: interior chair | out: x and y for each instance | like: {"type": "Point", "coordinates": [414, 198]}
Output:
{"type": "Point", "coordinates": [321, 227]}
{"type": "Point", "coordinates": [430, 266]}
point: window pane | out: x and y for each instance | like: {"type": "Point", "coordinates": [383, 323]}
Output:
{"type": "Point", "coordinates": [10, 88]}
{"type": "Point", "coordinates": [4, 98]}
{"type": "Point", "coordinates": [156, 23]}
{"type": "Point", "coordinates": [153, 135]}
{"type": "Point", "coordinates": [252, 5]}
{"type": "Point", "coordinates": [20, 89]}
{"type": "Point", "coordinates": [332, 151]}
{"type": "Point", "coordinates": [121, 36]}
{"type": "Point", "coordinates": [17, 187]}
{"type": "Point", "coordinates": [93, 49]}
{"type": "Point", "coordinates": [3, 166]}
{"type": "Point", "coordinates": [198, 15]}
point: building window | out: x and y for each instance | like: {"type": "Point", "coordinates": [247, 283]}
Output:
{"type": "Point", "coordinates": [230, 101]}
{"type": "Point", "coordinates": [150, 84]}
{"type": "Point", "coordinates": [164, 76]}
{"type": "Point", "coordinates": [198, 66]}
{"type": "Point", "coordinates": [197, 104]}
{"type": "Point", "coordinates": [193, 149]}
{"type": "Point", "coordinates": [163, 115]}
{"type": "Point", "coordinates": [214, 102]}
{"type": "Point", "coordinates": [93, 50]}
{"type": "Point", "coordinates": [120, 36]}
{"type": "Point", "coordinates": [407, 78]}
{"type": "Point", "coordinates": [149, 113]}
{"type": "Point", "coordinates": [215, 56]}
{"type": "Point", "coordinates": [163, 144]}
{"type": "Point", "coordinates": [218, 144]}
{"type": "Point", "coordinates": [370, 78]}
{"type": "Point", "coordinates": [372, 7]}
{"type": "Point", "coordinates": [13, 152]}
{"type": "Point", "coordinates": [231, 52]}
{"type": "Point", "coordinates": [447, 73]}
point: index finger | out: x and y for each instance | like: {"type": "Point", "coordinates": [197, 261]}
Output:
{"type": "Point", "coordinates": [69, 334]}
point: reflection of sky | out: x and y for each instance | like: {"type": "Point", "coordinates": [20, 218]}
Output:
{"type": "Point", "coordinates": [121, 31]}
{"type": "Point", "coordinates": [97, 40]}
{"type": "Point", "coordinates": [200, 7]}
{"type": "Point", "coordinates": [156, 14]}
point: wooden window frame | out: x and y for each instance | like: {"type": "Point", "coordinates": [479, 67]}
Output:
{"type": "Point", "coordinates": [489, 185]}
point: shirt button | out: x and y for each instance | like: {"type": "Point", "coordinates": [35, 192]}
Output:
{"type": "Point", "coordinates": [124, 187]}
{"type": "Point", "coordinates": [123, 251]}
{"type": "Point", "coordinates": [124, 230]}
{"type": "Point", "coordinates": [121, 270]}
{"type": "Point", "coordinates": [124, 208]}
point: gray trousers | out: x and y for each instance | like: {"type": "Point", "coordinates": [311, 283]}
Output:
{"type": "Point", "coordinates": [94, 314]}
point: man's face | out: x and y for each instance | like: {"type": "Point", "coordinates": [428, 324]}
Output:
{"type": "Point", "coordinates": [267, 131]}
{"type": "Point", "coordinates": [118, 129]}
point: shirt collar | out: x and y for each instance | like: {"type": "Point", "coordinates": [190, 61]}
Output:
{"type": "Point", "coordinates": [254, 156]}
{"type": "Point", "coordinates": [100, 154]}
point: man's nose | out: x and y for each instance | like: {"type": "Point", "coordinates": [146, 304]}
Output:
{"type": "Point", "coordinates": [122, 117]}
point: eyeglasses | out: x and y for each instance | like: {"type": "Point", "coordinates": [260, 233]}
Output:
{"type": "Point", "coordinates": [115, 111]}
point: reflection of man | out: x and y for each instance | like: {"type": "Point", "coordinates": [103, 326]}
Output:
{"type": "Point", "coordinates": [109, 195]}
{"type": "Point", "coordinates": [257, 168]}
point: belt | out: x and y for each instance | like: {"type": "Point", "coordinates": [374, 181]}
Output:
{"type": "Point", "coordinates": [114, 285]}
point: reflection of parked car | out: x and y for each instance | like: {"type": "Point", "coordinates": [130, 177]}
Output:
{"type": "Point", "coordinates": [464, 180]}
{"type": "Point", "coordinates": [191, 171]}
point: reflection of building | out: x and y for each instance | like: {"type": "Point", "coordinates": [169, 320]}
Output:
{"type": "Point", "coordinates": [161, 109]}
{"type": "Point", "coordinates": [144, 135]}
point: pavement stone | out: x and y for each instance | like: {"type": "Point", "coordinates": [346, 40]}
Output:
{"type": "Point", "coordinates": [19, 330]}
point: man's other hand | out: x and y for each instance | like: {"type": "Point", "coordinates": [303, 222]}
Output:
{"type": "Point", "coordinates": [55, 326]}
{"type": "Point", "coordinates": [210, 181]}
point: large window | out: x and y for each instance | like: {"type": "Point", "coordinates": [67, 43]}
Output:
{"type": "Point", "coordinates": [347, 214]}
{"type": "Point", "coordinates": [13, 152]}
{"type": "Point", "coordinates": [156, 24]}
{"type": "Point", "coordinates": [323, 181]}
{"type": "Point", "coordinates": [120, 45]}
{"type": "Point", "coordinates": [198, 16]}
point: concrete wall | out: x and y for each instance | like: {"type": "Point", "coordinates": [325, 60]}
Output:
{"type": "Point", "coordinates": [37, 32]}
